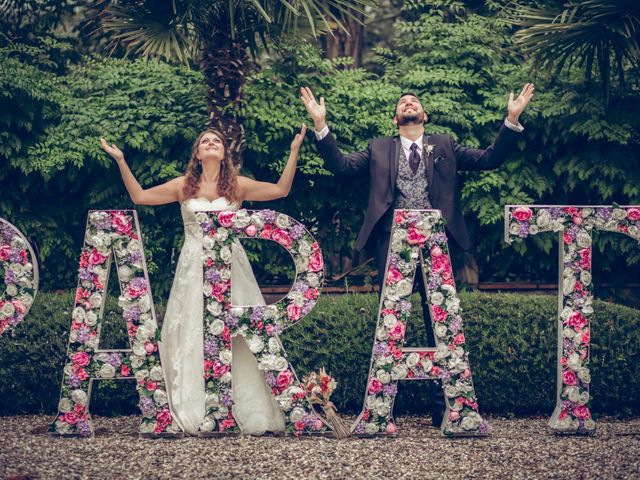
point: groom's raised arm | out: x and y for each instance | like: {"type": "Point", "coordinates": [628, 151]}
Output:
{"type": "Point", "coordinates": [335, 160]}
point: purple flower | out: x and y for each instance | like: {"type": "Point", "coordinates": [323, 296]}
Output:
{"type": "Point", "coordinates": [456, 324]}
{"type": "Point", "coordinates": [74, 381]}
{"type": "Point", "coordinates": [9, 276]}
{"type": "Point", "coordinates": [115, 359]}
{"type": "Point", "coordinates": [146, 405]}
{"type": "Point", "coordinates": [256, 314]}
{"type": "Point", "coordinates": [135, 257]}
{"type": "Point", "coordinates": [555, 212]}
{"type": "Point", "coordinates": [296, 231]}
{"type": "Point", "coordinates": [404, 306]}
{"type": "Point", "coordinates": [226, 400]}
{"type": "Point", "coordinates": [380, 349]}
{"type": "Point", "coordinates": [445, 376]}
{"type": "Point", "coordinates": [210, 348]}
{"type": "Point", "coordinates": [523, 230]}
{"type": "Point", "coordinates": [85, 274]}
{"type": "Point", "coordinates": [307, 307]}
{"type": "Point", "coordinates": [83, 428]}
{"type": "Point", "coordinates": [212, 275]}
{"type": "Point", "coordinates": [484, 427]}
{"type": "Point", "coordinates": [231, 320]}
{"type": "Point", "coordinates": [84, 334]}
{"type": "Point", "coordinates": [131, 314]}
{"type": "Point", "coordinates": [269, 216]}
{"type": "Point", "coordinates": [6, 232]}
{"type": "Point", "coordinates": [270, 379]}
{"type": "Point", "coordinates": [138, 283]}
{"type": "Point", "coordinates": [604, 213]}
{"type": "Point", "coordinates": [103, 224]}
{"type": "Point", "coordinates": [390, 390]}
{"type": "Point", "coordinates": [14, 256]}
{"type": "Point", "coordinates": [359, 428]}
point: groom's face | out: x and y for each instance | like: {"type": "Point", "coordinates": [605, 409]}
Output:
{"type": "Point", "coordinates": [409, 111]}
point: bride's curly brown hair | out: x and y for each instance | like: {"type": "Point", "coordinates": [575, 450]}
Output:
{"type": "Point", "coordinates": [228, 180]}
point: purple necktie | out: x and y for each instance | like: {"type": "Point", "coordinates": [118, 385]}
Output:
{"type": "Point", "coordinates": [414, 158]}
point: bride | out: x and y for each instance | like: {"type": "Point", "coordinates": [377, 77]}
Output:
{"type": "Point", "coordinates": [210, 183]}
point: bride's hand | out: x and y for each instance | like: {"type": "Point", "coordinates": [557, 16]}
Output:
{"type": "Point", "coordinates": [112, 150]}
{"type": "Point", "coordinates": [299, 138]}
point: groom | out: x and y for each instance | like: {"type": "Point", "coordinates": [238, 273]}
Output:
{"type": "Point", "coordinates": [413, 170]}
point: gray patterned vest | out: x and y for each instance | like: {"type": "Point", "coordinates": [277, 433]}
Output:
{"type": "Point", "coordinates": [412, 191]}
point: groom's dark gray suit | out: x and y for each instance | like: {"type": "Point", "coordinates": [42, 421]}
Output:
{"type": "Point", "coordinates": [380, 160]}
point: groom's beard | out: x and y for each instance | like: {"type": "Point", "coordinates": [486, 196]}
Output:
{"type": "Point", "coordinates": [409, 119]}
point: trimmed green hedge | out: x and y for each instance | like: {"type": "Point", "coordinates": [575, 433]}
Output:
{"type": "Point", "coordinates": [511, 339]}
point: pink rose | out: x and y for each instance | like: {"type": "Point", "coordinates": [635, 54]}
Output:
{"type": "Point", "coordinates": [284, 379]}
{"type": "Point", "coordinates": [315, 262]}
{"type": "Point", "coordinates": [226, 424]}
{"type": "Point", "coordinates": [226, 218]}
{"type": "Point", "coordinates": [218, 290]}
{"type": "Point", "coordinates": [440, 264]}
{"type": "Point", "coordinates": [163, 419]}
{"type": "Point", "coordinates": [137, 291]}
{"type": "Point", "coordinates": [81, 358]}
{"type": "Point", "coordinates": [438, 313]}
{"type": "Point", "coordinates": [415, 237]}
{"type": "Point", "coordinates": [586, 337]}
{"type": "Point", "coordinates": [318, 424]}
{"type": "Point", "coordinates": [585, 258]}
{"type": "Point", "coordinates": [375, 386]}
{"type": "Point", "coordinates": [459, 339]}
{"type": "Point", "coordinates": [453, 415]}
{"type": "Point", "coordinates": [267, 231]}
{"type": "Point", "coordinates": [5, 250]}
{"type": "Point", "coordinates": [251, 230]}
{"type": "Point", "coordinates": [581, 412]}
{"type": "Point", "coordinates": [576, 320]}
{"type": "Point", "coordinates": [19, 306]}
{"type": "Point", "coordinates": [70, 417]}
{"type": "Point", "coordinates": [397, 332]}
{"type": "Point", "coordinates": [125, 371]}
{"type": "Point", "coordinates": [436, 251]}
{"type": "Point", "coordinates": [294, 312]}
{"type": "Point", "coordinates": [522, 214]}
{"type": "Point", "coordinates": [399, 217]}
{"type": "Point", "coordinates": [393, 276]}
{"type": "Point", "coordinates": [151, 385]}
{"type": "Point", "coordinates": [567, 238]}
{"type": "Point", "coordinates": [391, 428]}
{"type": "Point", "coordinates": [219, 369]}
{"type": "Point", "coordinates": [96, 258]}
{"type": "Point", "coordinates": [149, 347]}
{"type": "Point", "coordinates": [282, 238]}
{"type": "Point", "coordinates": [122, 223]}
{"type": "Point", "coordinates": [568, 377]}
{"type": "Point", "coordinates": [633, 214]}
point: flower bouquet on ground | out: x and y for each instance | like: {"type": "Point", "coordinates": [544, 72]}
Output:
{"type": "Point", "coordinates": [319, 387]}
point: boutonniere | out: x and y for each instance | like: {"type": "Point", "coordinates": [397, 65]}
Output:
{"type": "Point", "coordinates": [429, 149]}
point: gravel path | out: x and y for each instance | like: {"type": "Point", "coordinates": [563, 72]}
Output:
{"type": "Point", "coordinates": [517, 448]}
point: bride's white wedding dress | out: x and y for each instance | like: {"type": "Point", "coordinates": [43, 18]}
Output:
{"type": "Point", "coordinates": [181, 348]}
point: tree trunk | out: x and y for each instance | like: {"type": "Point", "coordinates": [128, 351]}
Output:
{"type": "Point", "coordinates": [342, 45]}
{"type": "Point", "coordinates": [224, 65]}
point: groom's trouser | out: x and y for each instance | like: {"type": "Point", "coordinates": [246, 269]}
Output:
{"type": "Point", "coordinates": [435, 397]}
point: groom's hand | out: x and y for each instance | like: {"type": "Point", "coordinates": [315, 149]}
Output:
{"type": "Point", "coordinates": [316, 110]}
{"type": "Point", "coordinates": [517, 105]}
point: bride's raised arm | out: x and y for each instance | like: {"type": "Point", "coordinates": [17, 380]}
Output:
{"type": "Point", "coordinates": [249, 189]}
{"type": "Point", "coordinates": [166, 193]}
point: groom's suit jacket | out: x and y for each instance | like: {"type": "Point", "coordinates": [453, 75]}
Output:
{"type": "Point", "coordinates": [380, 161]}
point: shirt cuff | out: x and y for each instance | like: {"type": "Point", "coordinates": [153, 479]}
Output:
{"type": "Point", "coordinates": [322, 133]}
{"type": "Point", "coordinates": [516, 128]}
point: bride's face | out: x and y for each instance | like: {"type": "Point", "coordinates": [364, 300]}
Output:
{"type": "Point", "coordinates": [210, 148]}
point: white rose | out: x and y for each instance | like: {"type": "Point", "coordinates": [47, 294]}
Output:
{"type": "Point", "coordinates": [557, 225]}
{"type": "Point", "coordinates": [398, 372]}
{"type": "Point", "coordinates": [514, 228]}
{"type": "Point", "coordinates": [225, 356]}
{"type": "Point", "coordinates": [137, 361]}
{"type": "Point", "coordinates": [274, 345]}
{"type": "Point", "coordinates": [572, 393]}
{"type": "Point", "coordinates": [12, 290]}
{"type": "Point", "coordinates": [584, 398]}
{"type": "Point", "coordinates": [280, 364]}
{"type": "Point", "coordinates": [296, 414]}
{"type": "Point", "coordinates": [448, 290]}
{"type": "Point", "coordinates": [65, 405]}
{"type": "Point", "coordinates": [285, 402]}
{"type": "Point", "coordinates": [583, 239]}
{"type": "Point", "coordinates": [404, 288]}
{"type": "Point", "coordinates": [589, 424]}
{"type": "Point", "coordinates": [304, 248]}
{"type": "Point", "coordinates": [141, 374]}
{"type": "Point", "coordinates": [78, 314]}
{"type": "Point", "coordinates": [201, 217]}
{"type": "Point", "coordinates": [107, 371]}
{"type": "Point", "coordinates": [584, 375]}
{"type": "Point", "coordinates": [451, 391]}
{"type": "Point", "coordinates": [95, 300]}
{"type": "Point", "coordinates": [257, 220]}
{"type": "Point", "coordinates": [256, 344]}
{"type": "Point", "coordinates": [397, 245]}
{"type": "Point", "coordinates": [207, 243]}
{"type": "Point", "coordinates": [384, 361]}
{"type": "Point", "coordinates": [134, 246]}
{"type": "Point", "coordinates": [216, 327]}
{"type": "Point", "coordinates": [568, 285]}
{"type": "Point", "coordinates": [222, 234]}
{"type": "Point", "coordinates": [533, 230]}
{"type": "Point", "coordinates": [437, 298]}
{"type": "Point", "coordinates": [566, 313]}
{"type": "Point", "coordinates": [440, 330]}
{"type": "Point", "coordinates": [412, 359]}
{"type": "Point", "coordinates": [382, 334]}
{"type": "Point", "coordinates": [241, 219]}
{"type": "Point", "coordinates": [62, 427]}
{"type": "Point", "coordinates": [313, 279]}
{"type": "Point", "coordinates": [160, 397]}
{"type": "Point", "coordinates": [26, 299]}
{"type": "Point", "coordinates": [382, 407]}
{"type": "Point", "coordinates": [144, 303]}
{"type": "Point", "coordinates": [226, 378]}
{"type": "Point", "coordinates": [389, 321]}
{"type": "Point", "coordinates": [585, 277]}
{"type": "Point", "coordinates": [79, 396]}
{"type": "Point", "coordinates": [156, 373]}
{"type": "Point", "coordinates": [301, 264]}
{"type": "Point", "coordinates": [619, 214]}
{"type": "Point", "coordinates": [574, 362]}
{"type": "Point", "coordinates": [207, 425]}
{"type": "Point", "coordinates": [457, 365]}
{"type": "Point", "coordinates": [543, 218]}
{"type": "Point", "coordinates": [225, 274]}
{"type": "Point", "coordinates": [92, 342]}
{"type": "Point", "coordinates": [383, 376]}
{"type": "Point", "coordinates": [283, 221]}
{"type": "Point", "coordinates": [442, 351]}
{"type": "Point", "coordinates": [471, 421]}
{"type": "Point", "coordinates": [370, 428]}
{"type": "Point", "coordinates": [125, 273]}
{"type": "Point", "coordinates": [225, 254]}
{"type": "Point", "coordinates": [211, 400]}
{"type": "Point", "coordinates": [453, 305]}
{"type": "Point", "coordinates": [138, 349]}
{"type": "Point", "coordinates": [427, 364]}
{"type": "Point", "coordinates": [634, 231]}
{"type": "Point", "coordinates": [267, 362]}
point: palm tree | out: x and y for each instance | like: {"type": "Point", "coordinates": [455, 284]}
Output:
{"type": "Point", "coordinates": [222, 36]}
{"type": "Point", "coordinates": [600, 35]}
